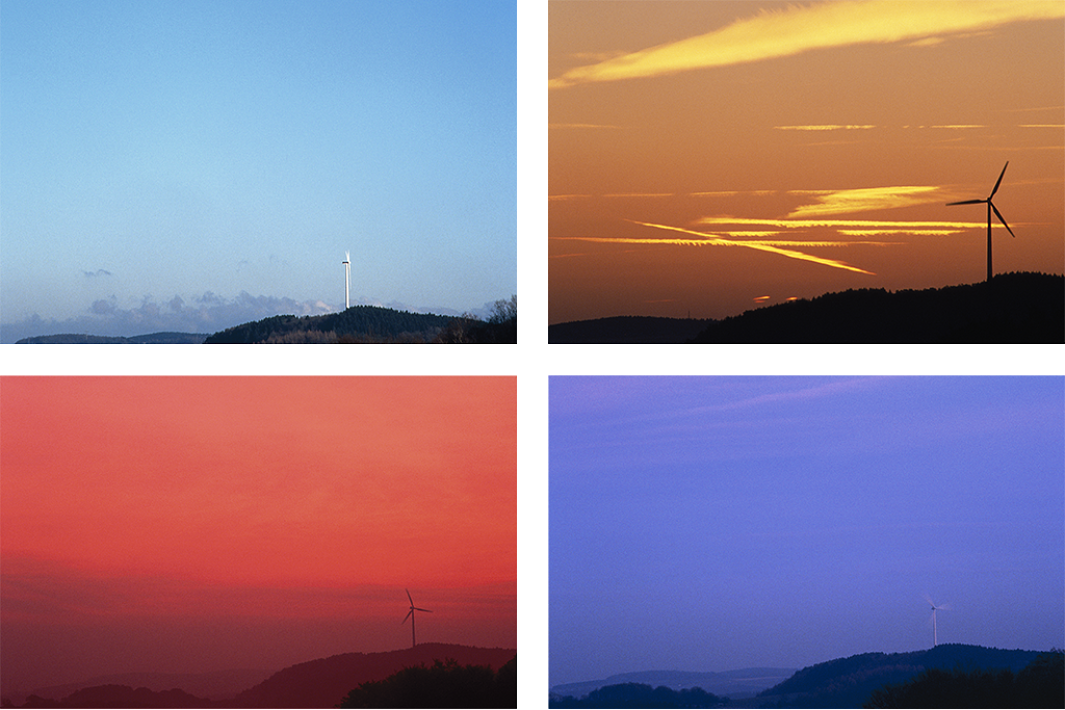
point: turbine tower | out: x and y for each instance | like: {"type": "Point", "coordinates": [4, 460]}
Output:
{"type": "Point", "coordinates": [990, 207]}
{"type": "Point", "coordinates": [935, 608]}
{"type": "Point", "coordinates": [410, 615]}
{"type": "Point", "coordinates": [347, 280]}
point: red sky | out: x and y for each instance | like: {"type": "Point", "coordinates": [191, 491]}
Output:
{"type": "Point", "coordinates": [819, 141]}
{"type": "Point", "coordinates": [190, 524]}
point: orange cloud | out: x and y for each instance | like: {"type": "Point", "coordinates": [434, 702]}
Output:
{"type": "Point", "coordinates": [797, 29]}
{"type": "Point", "coordinates": [866, 199]}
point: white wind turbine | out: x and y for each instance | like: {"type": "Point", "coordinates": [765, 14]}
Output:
{"type": "Point", "coordinates": [935, 608]}
{"type": "Point", "coordinates": [347, 280]}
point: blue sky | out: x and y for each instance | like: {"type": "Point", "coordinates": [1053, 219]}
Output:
{"type": "Point", "coordinates": [229, 153]}
{"type": "Point", "coordinates": [709, 524]}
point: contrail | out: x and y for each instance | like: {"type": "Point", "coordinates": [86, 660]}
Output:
{"type": "Point", "coordinates": [772, 246]}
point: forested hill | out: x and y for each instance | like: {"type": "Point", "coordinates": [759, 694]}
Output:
{"type": "Point", "coordinates": [1017, 308]}
{"type": "Point", "coordinates": [325, 682]}
{"type": "Point", "coordinates": [849, 682]}
{"type": "Point", "coordinates": [356, 324]}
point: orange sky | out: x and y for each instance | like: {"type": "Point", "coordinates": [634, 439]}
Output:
{"type": "Point", "coordinates": [816, 144]}
{"type": "Point", "coordinates": [273, 499]}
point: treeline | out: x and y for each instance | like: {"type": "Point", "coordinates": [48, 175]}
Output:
{"type": "Point", "coordinates": [640, 695]}
{"type": "Point", "coordinates": [1011, 308]}
{"type": "Point", "coordinates": [373, 324]}
{"type": "Point", "coordinates": [445, 685]}
{"type": "Point", "coordinates": [1040, 684]}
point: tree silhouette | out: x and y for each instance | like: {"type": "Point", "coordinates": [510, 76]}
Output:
{"type": "Point", "coordinates": [445, 685]}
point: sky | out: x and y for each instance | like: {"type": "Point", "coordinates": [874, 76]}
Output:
{"type": "Point", "coordinates": [161, 524]}
{"type": "Point", "coordinates": [824, 139]}
{"type": "Point", "coordinates": [190, 166]}
{"type": "Point", "coordinates": [720, 523]}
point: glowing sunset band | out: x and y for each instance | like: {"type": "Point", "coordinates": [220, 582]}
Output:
{"type": "Point", "coordinates": [770, 35]}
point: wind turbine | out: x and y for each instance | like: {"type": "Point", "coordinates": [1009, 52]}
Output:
{"type": "Point", "coordinates": [410, 615]}
{"type": "Point", "coordinates": [935, 608]}
{"type": "Point", "coordinates": [347, 280]}
{"type": "Point", "coordinates": [990, 207]}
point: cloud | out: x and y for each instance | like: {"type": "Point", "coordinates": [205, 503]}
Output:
{"type": "Point", "coordinates": [207, 313]}
{"type": "Point", "coordinates": [798, 29]}
{"type": "Point", "coordinates": [866, 199]}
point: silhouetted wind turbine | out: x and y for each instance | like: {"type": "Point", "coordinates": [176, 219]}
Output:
{"type": "Point", "coordinates": [935, 608]}
{"type": "Point", "coordinates": [410, 615]}
{"type": "Point", "coordinates": [990, 207]}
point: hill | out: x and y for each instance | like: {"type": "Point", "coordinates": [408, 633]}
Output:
{"type": "Point", "coordinates": [627, 330]}
{"type": "Point", "coordinates": [325, 682]}
{"type": "Point", "coordinates": [150, 339]}
{"type": "Point", "coordinates": [215, 685]}
{"type": "Point", "coordinates": [848, 682]}
{"type": "Point", "coordinates": [734, 684]}
{"type": "Point", "coordinates": [358, 323]}
{"type": "Point", "coordinates": [1011, 308]}
{"type": "Point", "coordinates": [322, 683]}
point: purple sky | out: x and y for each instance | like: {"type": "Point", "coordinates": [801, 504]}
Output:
{"type": "Point", "coordinates": [708, 524]}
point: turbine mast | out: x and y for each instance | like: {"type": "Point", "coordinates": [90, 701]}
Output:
{"type": "Point", "coordinates": [989, 272]}
{"type": "Point", "coordinates": [347, 275]}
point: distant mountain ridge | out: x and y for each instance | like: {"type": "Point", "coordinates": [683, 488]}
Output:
{"type": "Point", "coordinates": [214, 685]}
{"type": "Point", "coordinates": [150, 339]}
{"type": "Point", "coordinates": [1012, 308]}
{"type": "Point", "coordinates": [839, 683]}
{"type": "Point", "coordinates": [321, 683]}
{"type": "Point", "coordinates": [737, 683]}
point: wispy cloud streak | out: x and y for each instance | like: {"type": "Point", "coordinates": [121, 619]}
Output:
{"type": "Point", "coordinates": [773, 246]}
{"type": "Point", "coordinates": [798, 29]}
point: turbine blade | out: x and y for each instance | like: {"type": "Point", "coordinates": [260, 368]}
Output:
{"type": "Point", "coordinates": [420, 609]}
{"type": "Point", "coordinates": [999, 180]}
{"type": "Point", "coordinates": [409, 613]}
{"type": "Point", "coordinates": [999, 215]}
{"type": "Point", "coordinates": [967, 202]}
{"type": "Point", "coordinates": [408, 596]}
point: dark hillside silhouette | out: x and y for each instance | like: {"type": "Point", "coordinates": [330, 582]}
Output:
{"type": "Point", "coordinates": [639, 695]}
{"type": "Point", "coordinates": [1019, 308]}
{"type": "Point", "coordinates": [1040, 684]}
{"type": "Point", "coordinates": [322, 683]}
{"type": "Point", "coordinates": [849, 682]}
{"type": "Point", "coordinates": [325, 682]}
{"type": "Point", "coordinates": [444, 685]}
{"type": "Point", "coordinates": [627, 330]}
